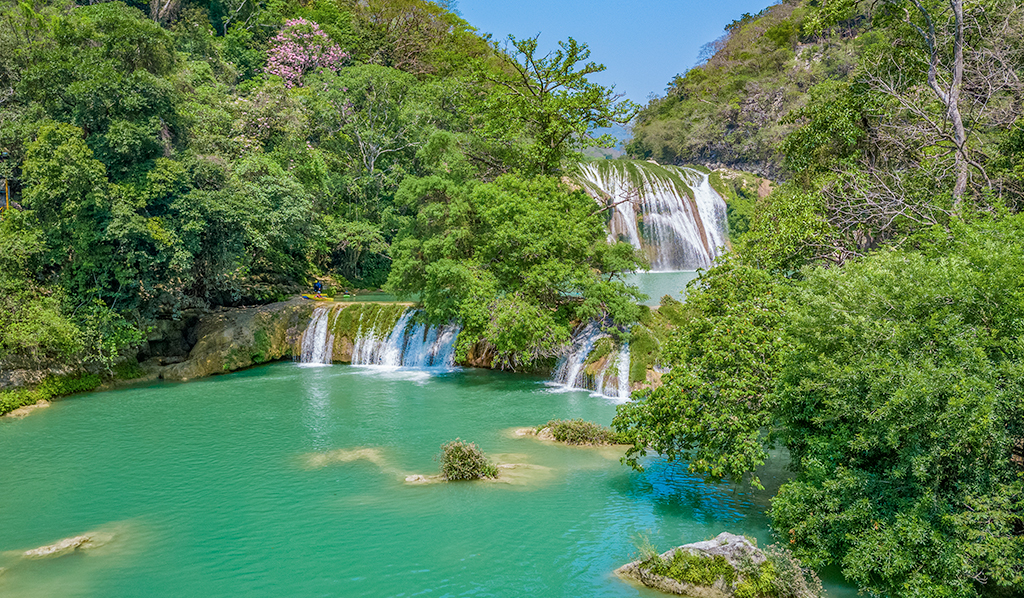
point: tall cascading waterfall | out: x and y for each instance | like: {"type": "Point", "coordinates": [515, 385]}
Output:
{"type": "Point", "coordinates": [671, 213]}
{"type": "Point", "coordinates": [608, 376]}
{"type": "Point", "coordinates": [408, 344]}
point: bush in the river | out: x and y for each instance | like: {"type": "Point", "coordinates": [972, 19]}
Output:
{"type": "Point", "coordinates": [578, 431]}
{"type": "Point", "coordinates": [462, 460]}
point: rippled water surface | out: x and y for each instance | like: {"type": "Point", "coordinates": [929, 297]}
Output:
{"type": "Point", "coordinates": [289, 481]}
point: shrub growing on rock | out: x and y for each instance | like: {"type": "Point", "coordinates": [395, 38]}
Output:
{"type": "Point", "coordinates": [462, 460]}
{"type": "Point", "coordinates": [578, 431]}
{"type": "Point", "coordinates": [729, 566]}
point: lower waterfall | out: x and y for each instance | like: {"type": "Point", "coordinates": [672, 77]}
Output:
{"type": "Point", "coordinates": [375, 340]}
{"type": "Point", "coordinates": [317, 341]}
{"type": "Point", "coordinates": [408, 345]}
{"type": "Point", "coordinates": [607, 375]}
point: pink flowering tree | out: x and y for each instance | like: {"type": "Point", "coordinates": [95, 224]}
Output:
{"type": "Point", "coordinates": [302, 47]}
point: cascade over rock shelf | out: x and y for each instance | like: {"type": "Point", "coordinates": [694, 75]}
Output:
{"type": "Point", "coordinates": [671, 213]}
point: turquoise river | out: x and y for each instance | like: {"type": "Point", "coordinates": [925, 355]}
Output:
{"type": "Point", "coordinates": [287, 480]}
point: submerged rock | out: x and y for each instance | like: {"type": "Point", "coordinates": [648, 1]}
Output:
{"type": "Point", "coordinates": [724, 567]}
{"type": "Point", "coordinates": [542, 434]}
{"type": "Point", "coordinates": [335, 457]}
{"type": "Point", "coordinates": [69, 545]}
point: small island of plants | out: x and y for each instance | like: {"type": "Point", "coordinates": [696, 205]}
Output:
{"type": "Point", "coordinates": [461, 460]}
{"type": "Point", "coordinates": [577, 432]}
{"type": "Point", "coordinates": [725, 566]}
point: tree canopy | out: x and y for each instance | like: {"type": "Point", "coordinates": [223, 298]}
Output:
{"type": "Point", "coordinates": [174, 155]}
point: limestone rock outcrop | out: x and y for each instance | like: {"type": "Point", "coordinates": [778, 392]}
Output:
{"type": "Point", "coordinates": [724, 567]}
{"type": "Point", "coordinates": [242, 337]}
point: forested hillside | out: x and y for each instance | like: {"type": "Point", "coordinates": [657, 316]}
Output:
{"type": "Point", "coordinates": [180, 154]}
{"type": "Point", "coordinates": [871, 319]}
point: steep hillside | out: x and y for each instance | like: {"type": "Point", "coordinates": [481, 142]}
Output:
{"type": "Point", "coordinates": [731, 110]}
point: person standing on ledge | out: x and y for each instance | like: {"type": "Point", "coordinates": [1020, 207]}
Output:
{"type": "Point", "coordinates": [318, 288]}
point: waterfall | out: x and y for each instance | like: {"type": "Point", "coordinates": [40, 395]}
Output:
{"type": "Point", "coordinates": [317, 340]}
{"type": "Point", "coordinates": [670, 213]}
{"type": "Point", "coordinates": [569, 370]}
{"type": "Point", "coordinates": [623, 371]}
{"type": "Point", "coordinates": [607, 376]}
{"type": "Point", "coordinates": [408, 344]}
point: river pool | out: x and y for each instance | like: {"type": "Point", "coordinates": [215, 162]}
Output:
{"type": "Point", "coordinates": [289, 480]}
{"type": "Point", "coordinates": [658, 284]}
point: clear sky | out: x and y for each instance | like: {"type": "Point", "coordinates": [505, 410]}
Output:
{"type": "Point", "coordinates": [644, 43]}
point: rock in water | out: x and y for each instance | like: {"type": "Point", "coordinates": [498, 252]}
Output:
{"type": "Point", "coordinates": [724, 567]}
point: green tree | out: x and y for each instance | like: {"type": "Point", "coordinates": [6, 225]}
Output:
{"type": "Point", "coordinates": [67, 190]}
{"type": "Point", "coordinates": [714, 409]}
{"type": "Point", "coordinates": [517, 261]}
{"type": "Point", "coordinates": [902, 403]}
{"type": "Point", "coordinates": [544, 108]}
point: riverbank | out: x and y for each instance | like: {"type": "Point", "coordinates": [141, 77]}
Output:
{"type": "Point", "coordinates": [203, 343]}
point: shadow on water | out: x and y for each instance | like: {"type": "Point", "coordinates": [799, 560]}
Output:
{"type": "Point", "coordinates": [673, 492]}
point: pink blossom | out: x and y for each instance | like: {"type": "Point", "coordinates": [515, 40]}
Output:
{"type": "Point", "coordinates": [299, 48]}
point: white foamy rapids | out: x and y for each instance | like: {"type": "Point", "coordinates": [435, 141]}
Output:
{"type": "Point", "coordinates": [317, 340]}
{"type": "Point", "coordinates": [656, 214]}
{"type": "Point", "coordinates": [408, 345]}
{"type": "Point", "coordinates": [611, 381]}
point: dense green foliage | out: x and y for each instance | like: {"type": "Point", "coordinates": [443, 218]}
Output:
{"type": "Point", "coordinates": [169, 156]}
{"type": "Point", "coordinates": [461, 460]}
{"type": "Point", "coordinates": [518, 261]}
{"type": "Point", "coordinates": [902, 402]}
{"type": "Point", "coordinates": [895, 384]}
{"type": "Point", "coordinates": [51, 387]}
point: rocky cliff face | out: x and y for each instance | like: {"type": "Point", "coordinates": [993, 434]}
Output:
{"type": "Point", "coordinates": [238, 338]}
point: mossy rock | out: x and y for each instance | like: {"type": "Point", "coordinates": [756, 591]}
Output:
{"type": "Point", "coordinates": [240, 338]}
{"type": "Point", "coordinates": [728, 566]}
{"type": "Point", "coordinates": [350, 321]}
{"type": "Point", "coordinates": [53, 386]}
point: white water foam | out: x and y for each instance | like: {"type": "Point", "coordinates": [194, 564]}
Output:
{"type": "Point", "coordinates": [611, 381]}
{"type": "Point", "coordinates": [656, 215]}
{"type": "Point", "coordinates": [317, 341]}
{"type": "Point", "coordinates": [408, 344]}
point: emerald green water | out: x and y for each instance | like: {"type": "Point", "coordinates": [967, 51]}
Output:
{"type": "Point", "coordinates": [219, 487]}
{"type": "Point", "coordinates": [658, 284]}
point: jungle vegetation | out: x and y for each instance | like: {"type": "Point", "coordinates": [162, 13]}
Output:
{"type": "Point", "coordinates": [871, 319]}
{"type": "Point", "coordinates": [181, 154]}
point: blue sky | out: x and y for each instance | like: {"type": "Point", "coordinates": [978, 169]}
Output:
{"type": "Point", "coordinates": [643, 43]}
